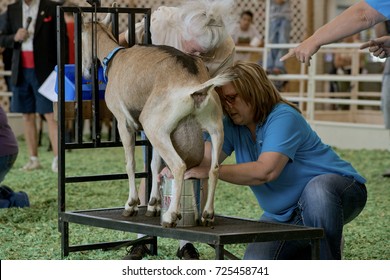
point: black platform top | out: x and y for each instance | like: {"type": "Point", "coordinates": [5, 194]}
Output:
{"type": "Point", "coordinates": [225, 230]}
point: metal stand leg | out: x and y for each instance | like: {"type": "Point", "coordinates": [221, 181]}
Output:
{"type": "Point", "coordinates": [64, 240]}
{"type": "Point", "coordinates": [219, 252]}
{"type": "Point", "coordinates": [315, 249]}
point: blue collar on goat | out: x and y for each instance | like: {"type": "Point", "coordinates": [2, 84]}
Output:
{"type": "Point", "coordinates": [107, 60]}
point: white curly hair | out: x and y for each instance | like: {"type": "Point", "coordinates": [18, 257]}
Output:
{"type": "Point", "coordinates": [207, 21]}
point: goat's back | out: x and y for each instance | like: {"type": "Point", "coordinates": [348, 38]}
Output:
{"type": "Point", "coordinates": [151, 70]}
{"type": "Point", "coordinates": [157, 70]}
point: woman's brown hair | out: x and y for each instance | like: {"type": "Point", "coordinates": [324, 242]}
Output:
{"type": "Point", "coordinates": [254, 87]}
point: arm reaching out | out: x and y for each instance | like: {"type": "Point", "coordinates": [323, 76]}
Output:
{"type": "Point", "coordinates": [379, 47]}
{"type": "Point", "coordinates": [356, 18]}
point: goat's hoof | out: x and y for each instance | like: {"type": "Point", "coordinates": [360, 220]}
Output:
{"type": "Point", "coordinates": [132, 204]}
{"type": "Point", "coordinates": [153, 213]}
{"type": "Point", "coordinates": [129, 212]}
{"type": "Point", "coordinates": [169, 219]}
{"type": "Point", "coordinates": [153, 210]}
{"type": "Point", "coordinates": [168, 225]}
{"type": "Point", "coordinates": [207, 218]}
{"type": "Point", "coordinates": [207, 223]}
{"type": "Point", "coordinates": [208, 215]}
{"type": "Point", "coordinates": [154, 201]}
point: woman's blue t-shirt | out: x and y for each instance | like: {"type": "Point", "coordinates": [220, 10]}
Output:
{"type": "Point", "coordinates": [285, 131]}
{"type": "Point", "coordinates": [382, 6]}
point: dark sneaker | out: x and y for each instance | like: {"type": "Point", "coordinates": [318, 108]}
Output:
{"type": "Point", "coordinates": [188, 252]}
{"type": "Point", "coordinates": [137, 252]}
{"type": "Point", "coordinates": [386, 174]}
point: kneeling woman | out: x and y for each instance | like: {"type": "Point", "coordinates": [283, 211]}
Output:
{"type": "Point", "coordinates": [296, 178]}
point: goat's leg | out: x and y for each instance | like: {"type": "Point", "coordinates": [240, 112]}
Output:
{"type": "Point", "coordinates": [154, 205]}
{"type": "Point", "coordinates": [161, 142]}
{"type": "Point", "coordinates": [177, 167]}
{"type": "Point", "coordinates": [215, 130]}
{"type": "Point", "coordinates": [208, 211]}
{"type": "Point", "coordinates": [128, 142]}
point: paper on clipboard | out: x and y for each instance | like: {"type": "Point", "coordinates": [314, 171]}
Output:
{"type": "Point", "coordinates": [47, 89]}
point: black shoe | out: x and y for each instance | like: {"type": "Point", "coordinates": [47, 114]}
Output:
{"type": "Point", "coordinates": [188, 252]}
{"type": "Point", "coordinates": [137, 252]}
{"type": "Point", "coordinates": [386, 174]}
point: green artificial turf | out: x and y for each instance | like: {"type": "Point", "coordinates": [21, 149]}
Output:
{"type": "Point", "coordinates": [32, 233]}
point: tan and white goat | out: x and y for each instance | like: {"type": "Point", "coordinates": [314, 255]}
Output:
{"type": "Point", "coordinates": [170, 96]}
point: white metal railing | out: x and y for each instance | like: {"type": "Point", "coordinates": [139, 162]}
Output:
{"type": "Point", "coordinates": [308, 77]}
{"type": "Point", "coordinates": [5, 74]}
{"type": "Point", "coordinates": [7, 93]}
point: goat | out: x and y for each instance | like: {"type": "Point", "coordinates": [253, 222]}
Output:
{"type": "Point", "coordinates": [169, 95]}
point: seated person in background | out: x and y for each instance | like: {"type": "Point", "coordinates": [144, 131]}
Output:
{"type": "Point", "coordinates": [8, 146]}
{"type": "Point", "coordinates": [8, 153]}
{"type": "Point", "coordinates": [296, 178]}
{"type": "Point", "coordinates": [245, 34]}
{"type": "Point", "coordinates": [342, 65]}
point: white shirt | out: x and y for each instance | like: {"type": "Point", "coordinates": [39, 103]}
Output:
{"type": "Point", "coordinates": [30, 11]}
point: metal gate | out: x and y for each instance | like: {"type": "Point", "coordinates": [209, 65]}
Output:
{"type": "Point", "coordinates": [80, 109]}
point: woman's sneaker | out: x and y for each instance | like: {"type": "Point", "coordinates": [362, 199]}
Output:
{"type": "Point", "coordinates": [32, 165]}
{"type": "Point", "coordinates": [54, 165]}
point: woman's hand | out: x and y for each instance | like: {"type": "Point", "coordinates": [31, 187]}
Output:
{"type": "Point", "coordinates": [379, 47]}
{"type": "Point", "coordinates": [304, 51]}
{"type": "Point", "coordinates": [198, 172]}
{"type": "Point", "coordinates": [164, 173]}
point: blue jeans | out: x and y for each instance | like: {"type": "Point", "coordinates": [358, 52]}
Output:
{"type": "Point", "coordinates": [328, 201]}
{"type": "Point", "coordinates": [26, 97]}
{"type": "Point", "coordinates": [6, 163]}
{"type": "Point", "coordinates": [279, 34]}
{"type": "Point", "coordinates": [385, 94]}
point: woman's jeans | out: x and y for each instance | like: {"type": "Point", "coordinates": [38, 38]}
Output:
{"type": "Point", "coordinates": [6, 163]}
{"type": "Point", "coordinates": [328, 201]}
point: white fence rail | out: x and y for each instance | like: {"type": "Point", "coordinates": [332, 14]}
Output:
{"type": "Point", "coordinates": [359, 126]}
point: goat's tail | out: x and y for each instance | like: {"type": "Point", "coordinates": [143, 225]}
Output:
{"type": "Point", "coordinates": [220, 80]}
{"type": "Point", "coordinates": [202, 92]}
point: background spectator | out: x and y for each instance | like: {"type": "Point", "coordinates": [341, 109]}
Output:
{"type": "Point", "coordinates": [383, 29]}
{"type": "Point", "coordinates": [33, 39]}
{"type": "Point", "coordinates": [8, 146]}
{"type": "Point", "coordinates": [246, 34]}
{"type": "Point", "coordinates": [279, 33]}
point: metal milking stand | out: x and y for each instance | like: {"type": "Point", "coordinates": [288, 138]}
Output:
{"type": "Point", "coordinates": [65, 217]}
{"type": "Point", "coordinates": [228, 230]}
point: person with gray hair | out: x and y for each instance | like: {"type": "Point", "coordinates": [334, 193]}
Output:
{"type": "Point", "coordinates": [200, 28]}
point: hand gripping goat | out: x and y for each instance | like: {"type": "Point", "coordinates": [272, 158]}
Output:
{"type": "Point", "coordinates": [169, 95]}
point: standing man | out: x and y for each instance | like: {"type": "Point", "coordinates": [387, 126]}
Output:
{"type": "Point", "coordinates": [383, 29]}
{"type": "Point", "coordinates": [31, 31]}
{"type": "Point", "coordinates": [280, 27]}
